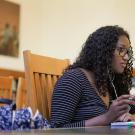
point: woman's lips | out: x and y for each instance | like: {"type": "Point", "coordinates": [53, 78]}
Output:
{"type": "Point", "coordinates": [123, 65]}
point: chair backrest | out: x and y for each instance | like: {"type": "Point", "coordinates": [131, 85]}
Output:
{"type": "Point", "coordinates": [21, 93]}
{"type": "Point", "coordinates": [6, 87]}
{"type": "Point", "coordinates": [41, 74]}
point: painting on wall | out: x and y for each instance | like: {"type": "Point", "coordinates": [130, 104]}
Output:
{"type": "Point", "coordinates": [9, 28]}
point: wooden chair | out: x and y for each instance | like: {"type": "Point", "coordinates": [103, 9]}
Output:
{"type": "Point", "coordinates": [21, 93]}
{"type": "Point", "coordinates": [6, 87]}
{"type": "Point", "coordinates": [41, 74]}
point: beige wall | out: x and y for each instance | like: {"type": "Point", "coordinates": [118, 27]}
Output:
{"type": "Point", "coordinates": [67, 23]}
{"type": "Point", "coordinates": [59, 27]}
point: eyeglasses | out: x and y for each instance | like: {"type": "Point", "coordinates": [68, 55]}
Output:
{"type": "Point", "coordinates": [122, 51]}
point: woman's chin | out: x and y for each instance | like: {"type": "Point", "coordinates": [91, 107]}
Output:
{"type": "Point", "coordinates": [120, 71]}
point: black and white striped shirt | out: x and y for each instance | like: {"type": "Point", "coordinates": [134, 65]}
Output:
{"type": "Point", "coordinates": [74, 101]}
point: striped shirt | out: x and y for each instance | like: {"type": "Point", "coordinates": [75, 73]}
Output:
{"type": "Point", "coordinates": [74, 101]}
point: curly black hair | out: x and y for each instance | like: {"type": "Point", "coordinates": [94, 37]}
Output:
{"type": "Point", "coordinates": [96, 55]}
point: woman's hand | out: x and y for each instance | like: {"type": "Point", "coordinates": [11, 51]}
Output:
{"type": "Point", "coordinates": [119, 107]}
{"type": "Point", "coordinates": [126, 117]}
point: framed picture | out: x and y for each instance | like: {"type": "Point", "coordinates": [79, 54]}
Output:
{"type": "Point", "coordinates": [9, 28]}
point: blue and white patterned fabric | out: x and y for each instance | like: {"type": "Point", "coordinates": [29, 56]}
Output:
{"type": "Point", "coordinates": [21, 119]}
{"type": "Point", "coordinates": [5, 118]}
{"type": "Point", "coordinates": [40, 122]}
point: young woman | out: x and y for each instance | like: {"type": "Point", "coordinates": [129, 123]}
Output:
{"type": "Point", "coordinates": [94, 90]}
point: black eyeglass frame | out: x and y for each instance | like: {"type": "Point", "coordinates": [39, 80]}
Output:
{"type": "Point", "coordinates": [123, 51]}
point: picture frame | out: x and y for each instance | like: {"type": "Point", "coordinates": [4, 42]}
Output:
{"type": "Point", "coordinates": [9, 28]}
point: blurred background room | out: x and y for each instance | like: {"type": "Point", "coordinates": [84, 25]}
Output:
{"type": "Point", "coordinates": [58, 28]}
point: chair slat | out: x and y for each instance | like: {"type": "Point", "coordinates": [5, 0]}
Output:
{"type": "Point", "coordinates": [21, 93]}
{"type": "Point", "coordinates": [54, 79]}
{"type": "Point", "coordinates": [50, 89]}
{"type": "Point", "coordinates": [39, 91]}
{"type": "Point", "coordinates": [45, 101]}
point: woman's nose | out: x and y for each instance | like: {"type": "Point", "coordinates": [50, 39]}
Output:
{"type": "Point", "coordinates": [126, 57]}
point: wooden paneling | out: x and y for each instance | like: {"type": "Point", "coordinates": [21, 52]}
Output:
{"type": "Point", "coordinates": [8, 72]}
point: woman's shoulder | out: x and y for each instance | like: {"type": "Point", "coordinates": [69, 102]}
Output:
{"type": "Point", "coordinates": [75, 73]}
{"type": "Point", "coordinates": [72, 75]}
{"type": "Point", "coordinates": [71, 80]}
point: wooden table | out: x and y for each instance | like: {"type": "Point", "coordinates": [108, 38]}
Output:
{"type": "Point", "coordinates": [76, 131]}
